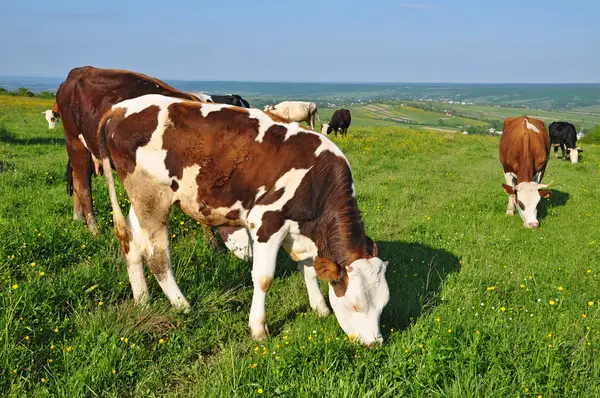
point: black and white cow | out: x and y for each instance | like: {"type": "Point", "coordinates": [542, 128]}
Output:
{"type": "Point", "coordinates": [230, 99]}
{"type": "Point", "coordinates": [564, 135]}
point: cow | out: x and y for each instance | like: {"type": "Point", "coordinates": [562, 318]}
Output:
{"type": "Point", "coordinates": [564, 135]}
{"type": "Point", "coordinates": [52, 116]}
{"type": "Point", "coordinates": [231, 99]}
{"type": "Point", "coordinates": [82, 99]}
{"type": "Point", "coordinates": [296, 111]}
{"type": "Point", "coordinates": [340, 120]}
{"type": "Point", "coordinates": [215, 161]}
{"type": "Point", "coordinates": [524, 152]}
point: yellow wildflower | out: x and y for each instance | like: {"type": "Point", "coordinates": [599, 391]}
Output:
{"type": "Point", "coordinates": [260, 391]}
{"type": "Point", "coordinates": [15, 286]}
{"type": "Point", "coordinates": [42, 273]}
{"type": "Point", "coordinates": [551, 302]}
{"type": "Point", "coordinates": [161, 341]}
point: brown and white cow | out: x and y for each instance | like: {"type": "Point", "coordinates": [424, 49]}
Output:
{"type": "Point", "coordinates": [296, 111]}
{"type": "Point", "coordinates": [52, 116]}
{"type": "Point", "coordinates": [218, 163]}
{"type": "Point", "coordinates": [524, 153]}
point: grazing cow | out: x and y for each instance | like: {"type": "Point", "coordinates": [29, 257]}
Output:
{"type": "Point", "coordinates": [564, 135]}
{"type": "Point", "coordinates": [231, 99]}
{"type": "Point", "coordinates": [52, 116]}
{"type": "Point", "coordinates": [216, 162]}
{"type": "Point", "coordinates": [524, 152]}
{"type": "Point", "coordinates": [82, 99]}
{"type": "Point", "coordinates": [296, 111]}
{"type": "Point", "coordinates": [340, 120]}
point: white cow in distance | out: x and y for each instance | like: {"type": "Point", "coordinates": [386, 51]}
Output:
{"type": "Point", "coordinates": [296, 111]}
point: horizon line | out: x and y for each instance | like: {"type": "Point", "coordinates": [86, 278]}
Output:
{"type": "Point", "coordinates": [325, 82]}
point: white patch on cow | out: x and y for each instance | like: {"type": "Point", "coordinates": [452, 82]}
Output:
{"type": "Point", "coordinates": [240, 244]}
{"type": "Point", "coordinates": [328, 145]}
{"type": "Point", "coordinates": [358, 311]}
{"type": "Point", "coordinates": [353, 190]}
{"type": "Point", "coordinates": [531, 126]}
{"type": "Point", "coordinates": [208, 108]}
{"type": "Point", "coordinates": [324, 128]}
{"type": "Point", "coordinates": [300, 247]}
{"type": "Point", "coordinates": [574, 155]}
{"type": "Point", "coordinates": [188, 187]}
{"type": "Point", "coordinates": [236, 206]}
{"type": "Point", "coordinates": [80, 136]}
{"type": "Point", "coordinates": [138, 104]}
{"type": "Point", "coordinates": [151, 157]}
{"type": "Point", "coordinates": [138, 247]}
{"type": "Point", "coordinates": [536, 177]}
{"type": "Point", "coordinates": [260, 192]}
{"type": "Point", "coordinates": [290, 181]}
{"type": "Point", "coordinates": [264, 122]}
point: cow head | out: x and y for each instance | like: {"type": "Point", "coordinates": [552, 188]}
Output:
{"type": "Point", "coordinates": [52, 118]}
{"type": "Point", "coordinates": [324, 129]}
{"type": "Point", "coordinates": [574, 154]}
{"type": "Point", "coordinates": [357, 294]}
{"type": "Point", "coordinates": [527, 197]}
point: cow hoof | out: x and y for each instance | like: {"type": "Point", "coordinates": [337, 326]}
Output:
{"type": "Point", "coordinates": [260, 332]}
{"type": "Point", "coordinates": [78, 217]}
{"type": "Point", "coordinates": [321, 309]}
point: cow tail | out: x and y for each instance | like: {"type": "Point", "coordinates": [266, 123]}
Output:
{"type": "Point", "coordinates": [121, 229]}
{"type": "Point", "coordinates": [69, 178]}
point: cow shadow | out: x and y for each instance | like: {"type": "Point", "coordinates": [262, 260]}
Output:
{"type": "Point", "coordinates": [556, 199]}
{"type": "Point", "coordinates": [415, 275]}
{"type": "Point", "coordinates": [8, 137]}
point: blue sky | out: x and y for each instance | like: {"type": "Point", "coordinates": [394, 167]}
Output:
{"type": "Point", "coordinates": [493, 41]}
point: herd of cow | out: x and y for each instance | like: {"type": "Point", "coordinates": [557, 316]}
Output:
{"type": "Point", "coordinates": [258, 176]}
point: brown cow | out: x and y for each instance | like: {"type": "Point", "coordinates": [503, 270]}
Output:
{"type": "Point", "coordinates": [82, 99]}
{"type": "Point", "coordinates": [524, 153]}
{"type": "Point", "coordinates": [217, 163]}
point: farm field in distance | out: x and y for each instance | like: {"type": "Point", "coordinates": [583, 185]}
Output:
{"type": "Point", "coordinates": [480, 306]}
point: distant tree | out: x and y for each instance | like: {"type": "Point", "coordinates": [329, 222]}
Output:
{"type": "Point", "coordinates": [46, 94]}
{"type": "Point", "coordinates": [23, 92]}
{"type": "Point", "coordinates": [441, 122]}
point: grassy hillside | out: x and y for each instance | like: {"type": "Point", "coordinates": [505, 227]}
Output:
{"type": "Point", "coordinates": [480, 306]}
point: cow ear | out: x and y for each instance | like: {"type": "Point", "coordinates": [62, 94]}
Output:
{"type": "Point", "coordinates": [508, 189]}
{"type": "Point", "coordinates": [545, 194]}
{"type": "Point", "coordinates": [371, 247]}
{"type": "Point", "coordinates": [328, 270]}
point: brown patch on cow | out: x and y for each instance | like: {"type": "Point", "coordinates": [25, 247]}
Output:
{"type": "Point", "coordinates": [522, 151]}
{"type": "Point", "coordinates": [233, 215]}
{"type": "Point", "coordinates": [174, 186]}
{"type": "Point", "coordinates": [271, 223]}
{"type": "Point", "coordinates": [332, 273]}
{"type": "Point", "coordinates": [265, 283]}
{"type": "Point", "coordinates": [123, 148]}
{"type": "Point", "coordinates": [123, 236]}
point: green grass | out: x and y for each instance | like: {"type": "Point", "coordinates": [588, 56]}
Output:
{"type": "Point", "coordinates": [471, 290]}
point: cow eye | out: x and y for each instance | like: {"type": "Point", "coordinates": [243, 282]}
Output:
{"type": "Point", "coordinates": [521, 205]}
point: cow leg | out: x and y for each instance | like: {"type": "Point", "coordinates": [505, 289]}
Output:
{"type": "Point", "coordinates": [555, 151]}
{"type": "Point", "coordinates": [512, 200]}
{"type": "Point", "coordinates": [263, 272]}
{"type": "Point", "coordinates": [315, 297]}
{"type": "Point", "coordinates": [77, 209]}
{"type": "Point", "coordinates": [134, 258]}
{"type": "Point", "coordinates": [152, 208]}
{"type": "Point", "coordinates": [563, 150]}
{"type": "Point", "coordinates": [81, 162]}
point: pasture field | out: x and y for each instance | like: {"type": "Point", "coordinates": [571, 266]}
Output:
{"type": "Point", "coordinates": [480, 306]}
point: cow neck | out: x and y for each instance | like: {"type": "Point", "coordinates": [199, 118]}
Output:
{"type": "Point", "coordinates": [340, 233]}
{"type": "Point", "coordinates": [526, 161]}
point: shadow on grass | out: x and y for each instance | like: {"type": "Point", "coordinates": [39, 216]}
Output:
{"type": "Point", "coordinates": [415, 275]}
{"type": "Point", "coordinates": [8, 137]}
{"type": "Point", "coordinates": [557, 198]}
